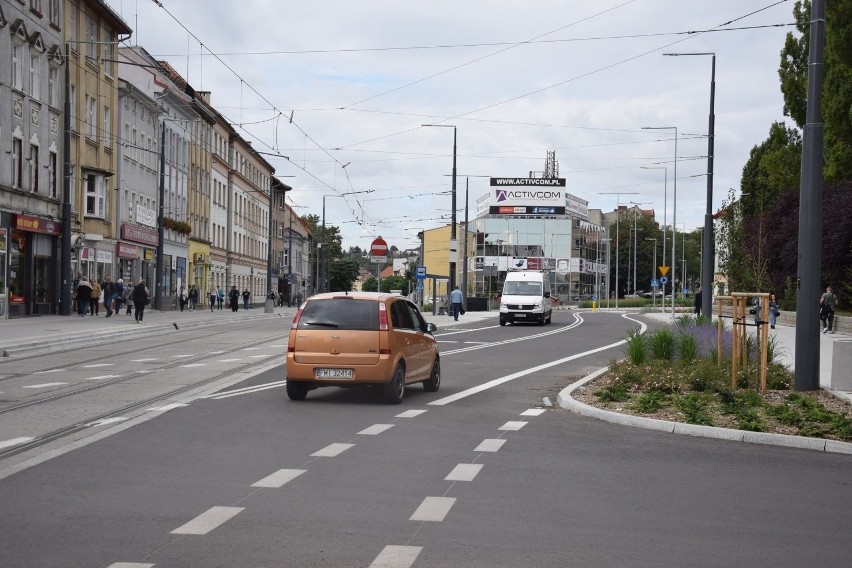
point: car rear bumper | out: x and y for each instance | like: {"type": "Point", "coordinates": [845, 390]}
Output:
{"type": "Point", "coordinates": [379, 373]}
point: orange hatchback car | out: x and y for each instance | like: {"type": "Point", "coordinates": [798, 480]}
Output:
{"type": "Point", "coordinates": [361, 338]}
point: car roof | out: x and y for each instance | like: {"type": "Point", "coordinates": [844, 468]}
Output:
{"type": "Point", "coordinates": [375, 296]}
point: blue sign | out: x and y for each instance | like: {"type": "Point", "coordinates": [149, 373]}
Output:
{"type": "Point", "coordinates": [594, 297]}
{"type": "Point", "coordinates": [655, 283]}
{"type": "Point", "coordinates": [421, 273]}
{"type": "Point", "coordinates": [664, 280]}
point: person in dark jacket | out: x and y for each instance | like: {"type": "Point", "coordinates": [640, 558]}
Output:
{"type": "Point", "coordinates": [84, 296]}
{"type": "Point", "coordinates": [140, 299]}
{"type": "Point", "coordinates": [193, 297]}
{"type": "Point", "coordinates": [234, 298]}
{"type": "Point", "coordinates": [697, 303]}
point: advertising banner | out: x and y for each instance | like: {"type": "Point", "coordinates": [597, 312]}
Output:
{"type": "Point", "coordinates": [527, 192]}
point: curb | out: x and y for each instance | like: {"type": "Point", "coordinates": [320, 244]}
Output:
{"type": "Point", "coordinates": [566, 401]}
{"type": "Point", "coordinates": [58, 344]}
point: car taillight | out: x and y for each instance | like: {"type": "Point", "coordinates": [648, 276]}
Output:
{"type": "Point", "coordinates": [383, 317]}
{"type": "Point", "coordinates": [298, 316]}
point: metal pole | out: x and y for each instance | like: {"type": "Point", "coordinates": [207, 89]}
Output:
{"type": "Point", "coordinates": [464, 257]}
{"type": "Point", "coordinates": [65, 261]}
{"type": "Point", "coordinates": [709, 255]}
{"type": "Point", "coordinates": [161, 232]}
{"type": "Point", "coordinates": [290, 259]}
{"type": "Point", "coordinates": [453, 245]}
{"type": "Point", "coordinates": [810, 210]}
{"type": "Point", "coordinates": [674, 227]}
{"type": "Point", "coordinates": [319, 246]}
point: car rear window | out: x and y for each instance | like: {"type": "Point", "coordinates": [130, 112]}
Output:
{"type": "Point", "coordinates": [341, 313]}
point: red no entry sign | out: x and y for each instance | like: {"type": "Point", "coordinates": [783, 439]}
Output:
{"type": "Point", "coordinates": [379, 247]}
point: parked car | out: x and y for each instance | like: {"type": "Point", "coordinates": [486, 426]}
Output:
{"type": "Point", "coordinates": [346, 339]}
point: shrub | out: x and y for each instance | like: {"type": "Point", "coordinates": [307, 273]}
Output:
{"type": "Point", "coordinates": [651, 402]}
{"type": "Point", "coordinates": [694, 408]}
{"type": "Point", "coordinates": [613, 393]}
{"type": "Point", "coordinates": [662, 344]}
{"type": "Point", "coordinates": [636, 349]}
{"type": "Point", "coordinates": [707, 376]}
{"type": "Point", "coordinates": [687, 347]}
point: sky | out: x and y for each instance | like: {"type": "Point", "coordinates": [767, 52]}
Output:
{"type": "Point", "coordinates": [336, 92]}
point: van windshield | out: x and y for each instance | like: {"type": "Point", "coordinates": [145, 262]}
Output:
{"type": "Point", "coordinates": [340, 313]}
{"type": "Point", "coordinates": [521, 288]}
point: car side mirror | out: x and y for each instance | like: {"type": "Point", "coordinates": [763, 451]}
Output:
{"type": "Point", "coordinates": [547, 294]}
{"type": "Point", "coordinates": [431, 327]}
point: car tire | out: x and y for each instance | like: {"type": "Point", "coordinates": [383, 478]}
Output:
{"type": "Point", "coordinates": [542, 320]}
{"type": "Point", "coordinates": [502, 320]}
{"type": "Point", "coordinates": [549, 318]}
{"type": "Point", "coordinates": [394, 390]}
{"type": "Point", "coordinates": [297, 390]}
{"type": "Point", "coordinates": [433, 383]}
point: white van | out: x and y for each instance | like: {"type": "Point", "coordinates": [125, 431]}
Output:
{"type": "Point", "coordinates": [526, 297]}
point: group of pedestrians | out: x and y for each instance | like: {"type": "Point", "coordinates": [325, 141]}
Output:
{"type": "Point", "coordinates": [89, 294]}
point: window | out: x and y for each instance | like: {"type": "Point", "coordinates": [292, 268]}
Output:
{"type": "Point", "coordinates": [35, 6]}
{"type": "Point", "coordinates": [33, 168]}
{"type": "Point", "coordinates": [73, 104]}
{"type": "Point", "coordinates": [53, 175]}
{"type": "Point", "coordinates": [17, 163]}
{"type": "Point", "coordinates": [35, 76]}
{"type": "Point", "coordinates": [55, 12]}
{"type": "Point", "coordinates": [17, 65]}
{"type": "Point", "coordinates": [92, 116]}
{"type": "Point", "coordinates": [72, 28]}
{"type": "Point", "coordinates": [53, 86]}
{"type": "Point", "coordinates": [95, 195]}
{"type": "Point", "coordinates": [109, 54]}
{"type": "Point", "coordinates": [107, 126]}
{"type": "Point", "coordinates": [92, 40]}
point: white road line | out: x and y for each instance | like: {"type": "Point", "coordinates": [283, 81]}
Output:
{"type": "Point", "coordinates": [44, 385]}
{"type": "Point", "coordinates": [245, 389]}
{"type": "Point", "coordinates": [464, 472]}
{"type": "Point", "coordinates": [519, 374]}
{"type": "Point", "coordinates": [534, 412]}
{"type": "Point", "coordinates": [96, 365]}
{"type": "Point", "coordinates": [191, 365]}
{"type": "Point", "coordinates": [513, 425]}
{"type": "Point", "coordinates": [279, 478]}
{"type": "Point", "coordinates": [144, 360]}
{"type": "Point", "coordinates": [375, 429]}
{"type": "Point", "coordinates": [410, 413]}
{"type": "Point", "coordinates": [250, 348]}
{"type": "Point", "coordinates": [578, 321]}
{"type": "Point", "coordinates": [167, 407]}
{"type": "Point", "coordinates": [15, 442]}
{"type": "Point", "coordinates": [48, 371]}
{"type": "Point", "coordinates": [489, 445]}
{"type": "Point", "coordinates": [229, 394]}
{"type": "Point", "coordinates": [130, 565]}
{"type": "Point", "coordinates": [451, 341]}
{"type": "Point", "coordinates": [209, 520]}
{"type": "Point", "coordinates": [182, 356]}
{"type": "Point", "coordinates": [215, 352]}
{"type": "Point", "coordinates": [102, 377]}
{"type": "Point", "coordinates": [260, 356]}
{"type": "Point", "coordinates": [278, 345]}
{"type": "Point", "coordinates": [393, 556]}
{"type": "Point", "coordinates": [107, 421]}
{"type": "Point", "coordinates": [475, 342]}
{"type": "Point", "coordinates": [433, 509]}
{"type": "Point", "coordinates": [332, 450]}
{"type": "Point", "coordinates": [467, 330]}
{"type": "Point", "coordinates": [228, 360]}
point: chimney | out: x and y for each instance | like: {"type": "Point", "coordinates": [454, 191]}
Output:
{"type": "Point", "coordinates": [204, 95]}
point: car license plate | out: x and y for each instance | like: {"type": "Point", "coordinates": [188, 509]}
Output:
{"type": "Point", "coordinates": [334, 373]}
{"type": "Point", "coordinates": [520, 315]}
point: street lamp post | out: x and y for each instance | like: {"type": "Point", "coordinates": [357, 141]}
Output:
{"type": "Point", "coordinates": [654, 273]}
{"type": "Point", "coordinates": [674, 210]}
{"type": "Point", "coordinates": [617, 234]}
{"type": "Point", "coordinates": [636, 240]}
{"type": "Point", "coordinates": [453, 245]}
{"type": "Point", "coordinates": [708, 245]}
{"type": "Point", "coordinates": [325, 275]}
{"type": "Point", "coordinates": [665, 210]}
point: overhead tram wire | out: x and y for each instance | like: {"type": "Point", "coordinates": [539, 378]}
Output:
{"type": "Point", "coordinates": [566, 81]}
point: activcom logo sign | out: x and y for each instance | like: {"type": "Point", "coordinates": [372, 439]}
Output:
{"type": "Point", "coordinates": [502, 195]}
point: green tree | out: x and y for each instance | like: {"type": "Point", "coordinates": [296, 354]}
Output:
{"type": "Point", "coordinates": [370, 285]}
{"type": "Point", "coordinates": [327, 247]}
{"type": "Point", "coordinates": [342, 273]}
{"type": "Point", "coordinates": [388, 284]}
{"type": "Point", "coordinates": [837, 82]}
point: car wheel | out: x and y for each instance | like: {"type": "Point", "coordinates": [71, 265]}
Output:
{"type": "Point", "coordinates": [296, 390]}
{"type": "Point", "coordinates": [502, 321]}
{"type": "Point", "coordinates": [394, 391]}
{"type": "Point", "coordinates": [433, 383]}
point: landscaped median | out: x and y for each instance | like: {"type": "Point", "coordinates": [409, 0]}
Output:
{"type": "Point", "coordinates": [671, 381]}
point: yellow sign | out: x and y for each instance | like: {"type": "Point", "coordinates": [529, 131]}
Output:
{"type": "Point", "coordinates": [664, 270]}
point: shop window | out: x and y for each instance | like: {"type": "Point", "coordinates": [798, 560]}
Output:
{"type": "Point", "coordinates": [17, 267]}
{"type": "Point", "coordinates": [95, 195]}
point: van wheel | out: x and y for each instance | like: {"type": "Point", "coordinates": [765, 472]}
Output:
{"type": "Point", "coordinates": [542, 320]}
{"type": "Point", "coordinates": [394, 391]}
{"type": "Point", "coordinates": [549, 318]}
{"type": "Point", "coordinates": [296, 390]}
{"type": "Point", "coordinates": [434, 381]}
{"type": "Point", "coordinates": [502, 320]}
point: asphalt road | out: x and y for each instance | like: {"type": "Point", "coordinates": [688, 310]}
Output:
{"type": "Point", "coordinates": [480, 473]}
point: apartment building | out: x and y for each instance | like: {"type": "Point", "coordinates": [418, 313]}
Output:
{"type": "Point", "coordinates": [290, 248]}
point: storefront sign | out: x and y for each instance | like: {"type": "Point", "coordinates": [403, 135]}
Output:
{"type": "Point", "coordinates": [103, 256]}
{"type": "Point", "coordinates": [145, 216]}
{"type": "Point", "coordinates": [126, 250]}
{"type": "Point", "coordinates": [149, 254]}
{"type": "Point", "coordinates": [37, 225]}
{"type": "Point", "coordinates": [528, 192]}
{"type": "Point", "coordinates": [139, 234]}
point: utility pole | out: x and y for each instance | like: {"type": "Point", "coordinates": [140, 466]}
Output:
{"type": "Point", "coordinates": [161, 232]}
{"type": "Point", "coordinates": [65, 261]}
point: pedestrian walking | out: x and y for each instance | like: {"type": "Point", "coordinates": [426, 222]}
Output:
{"type": "Point", "coordinates": [75, 306]}
{"type": "Point", "coordinates": [118, 295]}
{"type": "Point", "coordinates": [697, 303]}
{"type": "Point", "coordinates": [246, 296]}
{"type": "Point", "coordinates": [107, 291]}
{"type": "Point", "coordinates": [140, 299]}
{"type": "Point", "coordinates": [84, 296]}
{"type": "Point", "coordinates": [94, 303]}
{"type": "Point", "coordinates": [182, 299]}
{"type": "Point", "coordinates": [211, 296]}
{"type": "Point", "coordinates": [456, 303]}
{"type": "Point", "coordinates": [128, 298]}
{"type": "Point", "coordinates": [193, 297]}
{"type": "Point", "coordinates": [234, 298]}
{"type": "Point", "coordinates": [220, 296]}
{"type": "Point", "coordinates": [827, 303]}
{"type": "Point", "coordinates": [774, 311]}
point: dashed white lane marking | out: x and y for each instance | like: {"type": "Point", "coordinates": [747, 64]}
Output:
{"type": "Point", "coordinates": [14, 442]}
{"type": "Point", "coordinates": [248, 390]}
{"type": "Point", "coordinates": [279, 478]}
{"type": "Point", "coordinates": [48, 371]}
{"type": "Point", "coordinates": [464, 472]}
{"type": "Point", "coordinates": [489, 445]}
{"type": "Point", "coordinates": [278, 345]}
{"type": "Point", "coordinates": [228, 360]}
{"type": "Point", "coordinates": [332, 450]}
{"type": "Point", "coordinates": [144, 360]}
{"type": "Point", "coordinates": [96, 365]}
{"type": "Point", "coordinates": [130, 565]}
{"type": "Point", "coordinates": [410, 413]}
{"type": "Point", "coordinates": [433, 509]}
{"type": "Point", "coordinates": [208, 520]}
{"type": "Point", "coordinates": [215, 352]}
{"type": "Point", "coordinates": [513, 425]}
{"type": "Point", "coordinates": [167, 407]}
{"type": "Point", "coordinates": [475, 342]}
{"type": "Point", "coordinates": [260, 356]}
{"type": "Point", "coordinates": [182, 356]}
{"type": "Point", "coordinates": [534, 412]}
{"type": "Point", "coordinates": [375, 429]}
{"type": "Point", "coordinates": [102, 377]}
{"type": "Point", "coordinates": [44, 385]}
{"type": "Point", "coordinates": [191, 365]}
{"type": "Point", "coordinates": [393, 556]}
{"type": "Point", "coordinates": [107, 421]}
{"type": "Point", "coordinates": [250, 348]}
{"type": "Point", "coordinates": [445, 341]}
